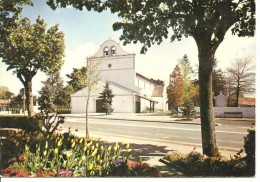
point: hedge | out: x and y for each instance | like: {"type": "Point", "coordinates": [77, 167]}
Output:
{"type": "Point", "coordinates": [19, 122]}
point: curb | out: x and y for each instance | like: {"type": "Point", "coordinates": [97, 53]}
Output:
{"type": "Point", "coordinates": [129, 119]}
{"type": "Point", "coordinates": [177, 122]}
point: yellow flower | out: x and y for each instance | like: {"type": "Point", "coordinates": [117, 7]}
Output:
{"type": "Point", "coordinates": [68, 154]}
{"type": "Point", "coordinates": [102, 148]}
{"type": "Point", "coordinates": [109, 148]}
{"type": "Point", "coordinates": [46, 144]}
{"type": "Point", "coordinates": [127, 146]}
{"type": "Point", "coordinates": [93, 154]}
{"type": "Point", "coordinates": [98, 157]}
{"type": "Point", "coordinates": [93, 147]}
{"type": "Point", "coordinates": [80, 162]}
{"type": "Point", "coordinates": [83, 158]}
{"type": "Point", "coordinates": [59, 143]}
{"type": "Point", "coordinates": [81, 140]}
{"type": "Point", "coordinates": [45, 153]}
{"type": "Point", "coordinates": [115, 148]}
{"type": "Point", "coordinates": [90, 167]}
{"type": "Point", "coordinates": [73, 145]}
{"type": "Point", "coordinates": [56, 151]}
{"type": "Point", "coordinates": [17, 144]}
{"type": "Point", "coordinates": [123, 142]}
{"type": "Point", "coordinates": [97, 145]}
{"type": "Point", "coordinates": [99, 168]}
{"type": "Point", "coordinates": [85, 148]}
{"type": "Point", "coordinates": [26, 148]}
{"type": "Point", "coordinates": [129, 150]}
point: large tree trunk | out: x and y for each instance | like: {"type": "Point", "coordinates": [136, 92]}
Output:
{"type": "Point", "coordinates": [206, 58]}
{"type": "Point", "coordinates": [29, 97]}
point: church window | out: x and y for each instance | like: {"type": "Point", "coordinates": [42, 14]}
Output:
{"type": "Point", "coordinates": [113, 50]}
{"type": "Point", "coordinates": [106, 51]}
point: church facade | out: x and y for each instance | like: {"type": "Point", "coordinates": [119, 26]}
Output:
{"type": "Point", "coordinates": [133, 92]}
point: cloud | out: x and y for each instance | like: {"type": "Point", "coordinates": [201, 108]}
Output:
{"type": "Point", "coordinates": [76, 57]}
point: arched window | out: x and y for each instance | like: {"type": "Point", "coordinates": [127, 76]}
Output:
{"type": "Point", "coordinates": [113, 50]}
{"type": "Point", "coordinates": [106, 51]}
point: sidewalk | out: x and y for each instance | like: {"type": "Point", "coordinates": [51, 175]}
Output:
{"type": "Point", "coordinates": [146, 117]}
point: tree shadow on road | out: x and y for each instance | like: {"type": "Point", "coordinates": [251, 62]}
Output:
{"type": "Point", "coordinates": [150, 154]}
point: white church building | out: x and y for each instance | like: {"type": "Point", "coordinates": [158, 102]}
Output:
{"type": "Point", "coordinates": [134, 93]}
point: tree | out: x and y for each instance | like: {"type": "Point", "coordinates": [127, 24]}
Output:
{"type": "Point", "coordinates": [92, 79]}
{"type": "Point", "coordinates": [52, 93]}
{"type": "Point", "coordinates": [106, 98]}
{"type": "Point", "coordinates": [5, 93]}
{"type": "Point", "coordinates": [188, 110]}
{"type": "Point", "coordinates": [189, 89]}
{"type": "Point", "coordinates": [207, 21]}
{"type": "Point", "coordinates": [242, 77]}
{"type": "Point", "coordinates": [9, 11]}
{"type": "Point", "coordinates": [218, 80]}
{"type": "Point", "coordinates": [175, 89]}
{"type": "Point", "coordinates": [18, 101]}
{"type": "Point", "coordinates": [28, 48]}
{"type": "Point", "coordinates": [77, 78]}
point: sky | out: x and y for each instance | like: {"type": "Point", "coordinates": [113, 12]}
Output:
{"type": "Point", "coordinates": [85, 31]}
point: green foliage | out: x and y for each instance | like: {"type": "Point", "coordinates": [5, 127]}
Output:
{"type": "Point", "coordinates": [250, 151]}
{"type": "Point", "coordinates": [10, 10]}
{"type": "Point", "coordinates": [53, 95]}
{"type": "Point", "coordinates": [77, 78]}
{"type": "Point", "coordinates": [219, 82]}
{"type": "Point", "coordinates": [49, 123]}
{"type": "Point", "coordinates": [84, 158]}
{"type": "Point", "coordinates": [188, 110]}
{"type": "Point", "coordinates": [105, 98]}
{"type": "Point", "coordinates": [28, 48]}
{"type": "Point", "coordinates": [20, 122]}
{"type": "Point", "coordinates": [196, 164]}
{"type": "Point", "coordinates": [5, 93]}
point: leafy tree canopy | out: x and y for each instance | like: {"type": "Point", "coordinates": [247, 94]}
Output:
{"type": "Point", "coordinates": [27, 48]}
{"type": "Point", "coordinates": [150, 22]}
{"type": "Point", "coordinates": [77, 78]}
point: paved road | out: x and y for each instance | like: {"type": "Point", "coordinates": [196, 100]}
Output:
{"type": "Point", "coordinates": [230, 136]}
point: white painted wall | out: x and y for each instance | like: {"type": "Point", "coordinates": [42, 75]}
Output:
{"type": "Point", "coordinates": [122, 102]}
{"type": "Point", "coordinates": [161, 103]}
{"type": "Point", "coordinates": [247, 112]}
{"type": "Point", "coordinates": [146, 87]}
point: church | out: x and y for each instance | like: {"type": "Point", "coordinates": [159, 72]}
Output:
{"type": "Point", "coordinates": [133, 92]}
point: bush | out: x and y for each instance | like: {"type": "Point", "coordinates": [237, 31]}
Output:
{"type": "Point", "coordinates": [250, 151]}
{"type": "Point", "coordinates": [20, 122]}
{"type": "Point", "coordinates": [196, 164]}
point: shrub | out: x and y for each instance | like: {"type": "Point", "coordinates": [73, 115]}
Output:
{"type": "Point", "coordinates": [188, 109]}
{"type": "Point", "coordinates": [21, 122]}
{"type": "Point", "coordinates": [196, 164]}
{"type": "Point", "coordinates": [250, 151]}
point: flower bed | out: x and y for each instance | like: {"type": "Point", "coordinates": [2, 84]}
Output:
{"type": "Point", "coordinates": [196, 164]}
{"type": "Point", "coordinates": [76, 157]}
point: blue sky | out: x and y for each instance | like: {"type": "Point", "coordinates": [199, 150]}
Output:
{"type": "Point", "coordinates": [85, 31]}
